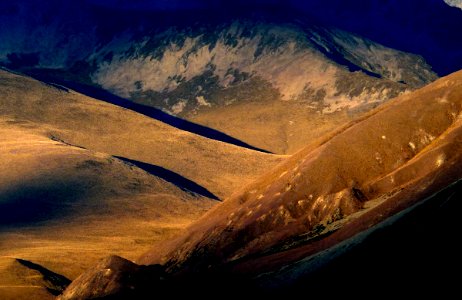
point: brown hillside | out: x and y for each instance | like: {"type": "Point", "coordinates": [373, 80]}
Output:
{"type": "Point", "coordinates": [64, 207]}
{"type": "Point", "coordinates": [407, 147]}
{"type": "Point", "coordinates": [102, 127]}
{"type": "Point", "coordinates": [66, 200]}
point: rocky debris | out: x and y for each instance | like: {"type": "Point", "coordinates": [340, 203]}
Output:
{"type": "Point", "coordinates": [103, 280]}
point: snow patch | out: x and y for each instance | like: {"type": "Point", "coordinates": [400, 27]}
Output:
{"type": "Point", "coordinates": [202, 102]}
{"type": "Point", "coordinates": [454, 3]}
{"type": "Point", "coordinates": [412, 145]}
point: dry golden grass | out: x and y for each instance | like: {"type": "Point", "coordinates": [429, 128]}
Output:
{"type": "Point", "coordinates": [64, 207]}
{"type": "Point", "coordinates": [278, 126]}
{"type": "Point", "coordinates": [99, 126]}
{"type": "Point", "coordinates": [18, 282]}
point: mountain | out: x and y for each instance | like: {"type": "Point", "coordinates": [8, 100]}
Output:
{"type": "Point", "coordinates": [263, 77]}
{"type": "Point", "coordinates": [274, 81]}
{"type": "Point", "coordinates": [98, 126]}
{"type": "Point", "coordinates": [181, 70]}
{"type": "Point", "coordinates": [414, 141]}
{"type": "Point", "coordinates": [250, 144]}
{"type": "Point", "coordinates": [426, 27]}
{"type": "Point", "coordinates": [61, 204]}
{"type": "Point", "coordinates": [365, 174]}
{"type": "Point", "coordinates": [81, 178]}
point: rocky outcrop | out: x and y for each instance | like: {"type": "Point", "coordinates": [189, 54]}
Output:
{"type": "Point", "coordinates": [188, 70]}
{"type": "Point", "coordinates": [105, 279]}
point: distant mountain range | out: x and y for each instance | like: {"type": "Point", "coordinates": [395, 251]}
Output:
{"type": "Point", "coordinates": [408, 25]}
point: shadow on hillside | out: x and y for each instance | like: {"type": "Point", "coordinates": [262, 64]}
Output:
{"type": "Point", "coordinates": [183, 183]}
{"type": "Point", "coordinates": [149, 111]}
{"type": "Point", "coordinates": [55, 283]}
{"type": "Point", "coordinates": [40, 200]}
{"type": "Point", "coordinates": [417, 254]}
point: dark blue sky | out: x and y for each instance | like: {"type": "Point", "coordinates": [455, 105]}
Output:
{"type": "Point", "coordinates": [185, 4]}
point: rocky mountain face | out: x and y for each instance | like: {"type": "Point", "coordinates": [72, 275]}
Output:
{"type": "Point", "coordinates": [186, 71]}
{"type": "Point", "coordinates": [198, 66]}
{"type": "Point", "coordinates": [273, 85]}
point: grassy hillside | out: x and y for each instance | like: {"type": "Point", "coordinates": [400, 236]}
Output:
{"type": "Point", "coordinates": [80, 179]}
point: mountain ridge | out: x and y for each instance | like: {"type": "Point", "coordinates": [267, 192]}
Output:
{"type": "Point", "coordinates": [443, 150]}
{"type": "Point", "coordinates": [270, 232]}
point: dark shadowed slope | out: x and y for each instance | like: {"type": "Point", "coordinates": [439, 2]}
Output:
{"type": "Point", "coordinates": [413, 253]}
{"type": "Point", "coordinates": [54, 283]}
{"type": "Point", "coordinates": [183, 183]}
{"type": "Point", "coordinates": [416, 251]}
{"type": "Point", "coordinates": [152, 112]}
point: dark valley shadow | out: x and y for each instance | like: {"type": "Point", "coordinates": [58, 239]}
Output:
{"type": "Point", "coordinates": [103, 95]}
{"type": "Point", "coordinates": [183, 183]}
{"type": "Point", "coordinates": [54, 282]}
{"type": "Point", "coordinates": [32, 202]}
{"type": "Point", "coordinates": [418, 253]}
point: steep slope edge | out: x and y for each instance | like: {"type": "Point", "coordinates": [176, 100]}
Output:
{"type": "Point", "coordinates": [415, 137]}
{"type": "Point", "coordinates": [368, 171]}
{"type": "Point", "coordinates": [99, 126]}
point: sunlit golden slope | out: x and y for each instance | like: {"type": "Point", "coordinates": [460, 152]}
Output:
{"type": "Point", "coordinates": [389, 159]}
{"type": "Point", "coordinates": [20, 282]}
{"type": "Point", "coordinates": [286, 127]}
{"type": "Point", "coordinates": [66, 200]}
{"type": "Point", "coordinates": [64, 207]}
{"type": "Point", "coordinates": [98, 126]}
